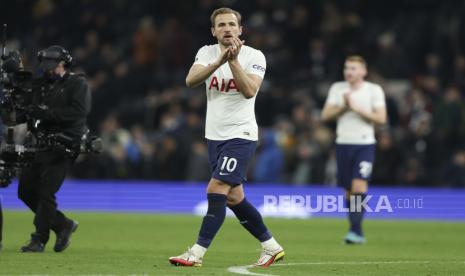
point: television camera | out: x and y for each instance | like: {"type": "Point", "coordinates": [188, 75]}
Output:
{"type": "Point", "coordinates": [16, 91]}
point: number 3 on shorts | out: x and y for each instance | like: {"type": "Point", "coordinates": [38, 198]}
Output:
{"type": "Point", "coordinates": [229, 163]}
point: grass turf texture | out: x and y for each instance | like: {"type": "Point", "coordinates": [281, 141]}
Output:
{"type": "Point", "coordinates": [122, 244]}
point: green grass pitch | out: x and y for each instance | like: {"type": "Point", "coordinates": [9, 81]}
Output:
{"type": "Point", "coordinates": [140, 244]}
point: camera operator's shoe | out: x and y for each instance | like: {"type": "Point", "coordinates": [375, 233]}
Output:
{"type": "Point", "coordinates": [35, 245]}
{"type": "Point", "coordinates": [64, 237]}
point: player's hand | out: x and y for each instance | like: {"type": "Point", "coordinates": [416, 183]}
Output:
{"type": "Point", "coordinates": [347, 99]}
{"type": "Point", "coordinates": [223, 58]}
{"type": "Point", "coordinates": [235, 48]}
{"type": "Point", "coordinates": [350, 103]}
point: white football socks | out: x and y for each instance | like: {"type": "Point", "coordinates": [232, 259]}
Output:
{"type": "Point", "coordinates": [198, 250]}
{"type": "Point", "coordinates": [271, 244]}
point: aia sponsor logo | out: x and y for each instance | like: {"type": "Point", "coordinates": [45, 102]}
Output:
{"type": "Point", "coordinates": [223, 85]}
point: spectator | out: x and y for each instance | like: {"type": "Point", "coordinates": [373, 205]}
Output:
{"type": "Point", "coordinates": [136, 54]}
{"type": "Point", "coordinates": [269, 161]}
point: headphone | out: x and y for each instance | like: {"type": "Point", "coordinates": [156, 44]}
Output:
{"type": "Point", "coordinates": [56, 52]}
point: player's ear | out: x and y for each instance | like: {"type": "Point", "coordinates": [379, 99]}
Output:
{"type": "Point", "coordinates": [240, 30]}
{"type": "Point", "coordinates": [213, 31]}
{"type": "Point", "coordinates": [365, 71]}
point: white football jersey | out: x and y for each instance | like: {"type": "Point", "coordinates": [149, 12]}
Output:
{"type": "Point", "coordinates": [351, 127]}
{"type": "Point", "coordinates": [229, 114]}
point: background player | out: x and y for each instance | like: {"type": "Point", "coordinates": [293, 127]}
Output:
{"type": "Point", "coordinates": [357, 105]}
{"type": "Point", "coordinates": [233, 74]}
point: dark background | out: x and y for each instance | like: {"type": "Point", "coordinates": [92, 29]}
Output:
{"type": "Point", "coordinates": [136, 55]}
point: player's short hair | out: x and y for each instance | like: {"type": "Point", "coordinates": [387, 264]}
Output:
{"type": "Point", "coordinates": [225, 11]}
{"type": "Point", "coordinates": [357, 58]}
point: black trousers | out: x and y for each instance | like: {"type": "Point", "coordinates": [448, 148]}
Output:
{"type": "Point", "coordinates": [38, 185]}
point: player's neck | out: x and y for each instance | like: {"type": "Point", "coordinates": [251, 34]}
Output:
{"type": "Point", "coordinates": [356, 85]}
{"type": "Point", "coordinates": [222, 47]}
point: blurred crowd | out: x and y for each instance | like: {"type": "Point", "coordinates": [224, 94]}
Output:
{"type": "Point", "coordinates": [136, 55]}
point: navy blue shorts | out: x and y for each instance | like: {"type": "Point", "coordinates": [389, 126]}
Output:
{"type": "Point", "coordinates": [229, 159]}
{"type": "Point", "coordinates": [354, 161]}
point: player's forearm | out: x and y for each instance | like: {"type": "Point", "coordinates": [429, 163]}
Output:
{"type": "Point", "coordinates": [197, 77]}
{"type": "Point", "coordinates": [247, 86]}
{"type": "Point", "coordinates": [378, 118]}
{"type": "Point", "coordinates": [330, 113]}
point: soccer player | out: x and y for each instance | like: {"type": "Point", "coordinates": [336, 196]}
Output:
{"type": "Point", "coordinates": [233, 73]}
{"type": "Point", "coordinates": [358, 106]}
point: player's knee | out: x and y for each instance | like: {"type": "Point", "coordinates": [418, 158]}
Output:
{"type": "Point", "coordinates": [359, 186]}
{"type": "Point", "coordinates": [231, 202]}
{"type": "Point", "coordinates": [234, 199]}
{"type": "Point", "coordinates": [216, 186]}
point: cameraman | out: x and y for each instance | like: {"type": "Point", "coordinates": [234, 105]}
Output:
{"type": "Point", "coordinates": [60, 104]}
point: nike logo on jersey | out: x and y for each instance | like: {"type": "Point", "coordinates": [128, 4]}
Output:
{"type": "Point", "coordinates": [224, 86]}
{"type": "Point", "coordinates": [222, 173]}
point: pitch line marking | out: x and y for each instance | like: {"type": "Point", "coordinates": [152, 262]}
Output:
{"type": "Point", "coordinates": [244, 269]}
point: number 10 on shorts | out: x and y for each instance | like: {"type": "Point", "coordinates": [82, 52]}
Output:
{"type": "Point", "coordinates": [229, 164]}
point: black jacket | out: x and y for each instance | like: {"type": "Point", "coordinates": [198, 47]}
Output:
{"type": "Point", "coordinates": [67, 101]}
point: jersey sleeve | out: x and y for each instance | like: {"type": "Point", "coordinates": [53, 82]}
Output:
{"type": "Point", "coordinates": [378, 98]}
{"type": "Point", "coordinates": [202, 57]}
{"type": "Point", "coordinates": [257, 64]}
{"type": "Point", "coordinates": [334, 98]}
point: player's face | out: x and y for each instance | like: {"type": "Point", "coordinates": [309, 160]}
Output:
{"type": "Point", "coordinates": [354, 71]}
{"type": "Point", "coordinates": [226, 27]}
